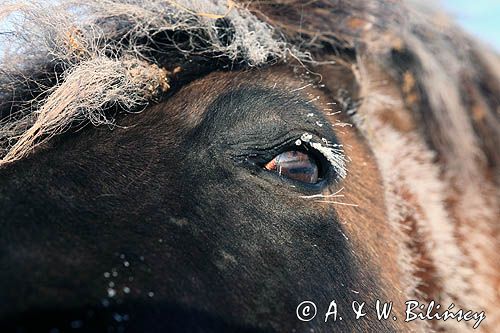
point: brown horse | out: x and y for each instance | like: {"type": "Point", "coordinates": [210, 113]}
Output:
{"type": "Point", "coordinates": [271, 166]}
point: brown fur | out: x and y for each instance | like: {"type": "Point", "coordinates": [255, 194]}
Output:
{"type": "Point", "coordinates": [409, 74]}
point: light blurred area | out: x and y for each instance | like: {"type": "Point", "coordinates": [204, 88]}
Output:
{"type": "Point", "coordinates": [481, 18]}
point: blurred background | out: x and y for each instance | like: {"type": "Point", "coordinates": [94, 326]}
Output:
{"type": "Point", "coordinates": [479, 17]}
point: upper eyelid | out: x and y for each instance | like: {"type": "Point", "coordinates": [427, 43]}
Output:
{"type": "Point", "coordinates": [271, 146]}
{"type": "Point", "coordinates": [282, 139]}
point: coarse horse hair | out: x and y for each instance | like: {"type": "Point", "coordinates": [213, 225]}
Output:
{"type": "Point", "coordinates": [68, 63]}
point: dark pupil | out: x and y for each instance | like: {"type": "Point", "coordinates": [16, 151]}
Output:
{"type": "Point", "coordinates": [295, 165]}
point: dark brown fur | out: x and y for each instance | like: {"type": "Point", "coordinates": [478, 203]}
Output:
{"type": "Point", "coordinates": [95, 192]}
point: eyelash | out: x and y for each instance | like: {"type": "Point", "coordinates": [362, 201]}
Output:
{"type": "Point", "coordinates": [333, 154]}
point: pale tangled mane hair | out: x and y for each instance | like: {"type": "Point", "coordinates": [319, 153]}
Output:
{"type": "Point", "coordinates": [101, 50]}
{"type": "Point", "coordinates": [99, 47]}
{"type": "Point", "coordinates": [70, 62]}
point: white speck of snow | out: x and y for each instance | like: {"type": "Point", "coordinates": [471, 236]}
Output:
{"type": "Point", "coordinates": [111, 292]}
{"type": "Point", "coordinates": [306, 137]}
{"type": "Point", "coordinates": [117, 317]}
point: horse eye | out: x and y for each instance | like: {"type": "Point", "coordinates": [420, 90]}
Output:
{"type": "Point", "coordinates": [295, 165]}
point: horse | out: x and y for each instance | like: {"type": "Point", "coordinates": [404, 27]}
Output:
{"type": "Point", "coordinates": [234, 166]}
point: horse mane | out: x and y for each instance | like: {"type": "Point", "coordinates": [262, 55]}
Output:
{"type": "Point", "coordinates": [67, 62]}
{"type": "Point", "coordinates": [108, 49]}
{"type": "Point", "coordinates": [85, 61]}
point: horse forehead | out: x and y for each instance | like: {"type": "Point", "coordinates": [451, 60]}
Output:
{"type": "Point", "coordinates": [191, 102]}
